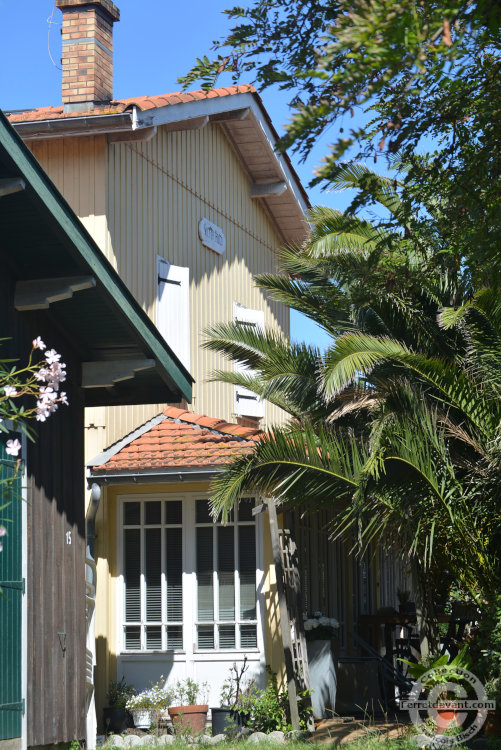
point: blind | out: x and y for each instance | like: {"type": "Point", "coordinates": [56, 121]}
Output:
{"type": "Point", "coordinates": [226, 572]}
{"type": "Point", "coordinates": [205, 567]}
{"type": "Point", "coordinates": [174, 574]}
{"type": "Point", "coordinates": [247, 568]}
{"type": "Point", "coordinates": [132, 575]}
{"type": "Point", "coordinates": [153, 574]}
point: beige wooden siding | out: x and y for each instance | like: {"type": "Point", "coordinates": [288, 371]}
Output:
{"type": "Point", "coordinates": [77, 166]}
{"type": "Point", "coordinates": [157, 192]}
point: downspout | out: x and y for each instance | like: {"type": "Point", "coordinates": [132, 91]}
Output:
{"type": "Point", "coordinates": [95, 499]}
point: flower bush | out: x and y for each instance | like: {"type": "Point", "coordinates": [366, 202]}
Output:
{"type": "Point", "coordinates": [157, 697]}
{"type": "Point", "coordinates": [320, 628]}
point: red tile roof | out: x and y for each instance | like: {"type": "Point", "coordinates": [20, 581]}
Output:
{"type": "Point", "coordinates": [182, 439]}
{"type": "Point", "coordinates": [121, 105]}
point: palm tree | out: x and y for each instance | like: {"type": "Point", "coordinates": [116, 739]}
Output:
{"type": "Point", "coordinates": [396, 425]}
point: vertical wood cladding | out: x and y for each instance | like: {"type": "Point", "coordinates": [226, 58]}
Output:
{"type": "Point", "coordinates": [55, 700]}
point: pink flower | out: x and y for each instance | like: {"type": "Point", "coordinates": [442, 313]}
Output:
{"type": "Point", "coordinates": [13, 447]}
{"type": "Point", "coordinates": [3, 531]}
{"type": "Point", "coordinates": [38, 343]}
{"type": "Point", "coordinates": [10, 391]}
{"type": "Point", "coordinates": [52, 356]}
{"type": "Point", "coordinates": [63, 398]}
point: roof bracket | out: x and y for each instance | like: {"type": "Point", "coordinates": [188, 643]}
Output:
{"type": "Point", "coordinates": [38, 294]}
{"type": "Point", "coordinates": [108, 374]}
{"type": "Point", "coordinates": [263, 189]}
{"type": "Point", "coordinates": [9, 185]}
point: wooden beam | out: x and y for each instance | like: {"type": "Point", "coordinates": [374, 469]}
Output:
{"type": "Point", "coordinates": [262, 189]}
{"type": "Point", "coordinates": [9, 185]}
{"type": "Point", "coordinates": [284, 615]}
{"type": "Point", "coordinates": [107, 374]}
{"type": "Point", "coordinates": [141, 135]}
{"type": "Point", "coordinates": [38, 294]}
{"type": "Point", "coordinates": [233, 114]}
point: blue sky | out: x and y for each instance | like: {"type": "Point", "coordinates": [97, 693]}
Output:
{"type": "Point", "coordinates": [154, 42]}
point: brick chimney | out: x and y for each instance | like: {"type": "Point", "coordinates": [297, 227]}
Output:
{"type": "Point", "coordinates": [87, 52]}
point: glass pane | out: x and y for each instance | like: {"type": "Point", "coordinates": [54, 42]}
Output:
{"type": "Point", "coordinates": [205, 568]}
{"type": "Point", "coordinates": [202, 512]}
{"type": "Point", "coordinates": [245, 507]}
{"type": "Point", "coordinates": [174, 544]}
{"type": "Point", "coordinates": [247, 568]}
{"type": "Point", "coordinates": [154, 638]}
{"type": "Point", "coordinates": [205, 637]}
{"type": "Point", "coordinates": [132, 514]}
{"type": "Point", "coordinates": [153, 577]}
{"type": "Point", "coordinates": [248, 636]}
{"type": "Point", "coordinates": [132, 577]}
{"type": "Point", "coordinates": [227, 636]}
{"type": "Point", "coordinates": [153, 512]}
{"type": "Point", "coordinates": [174, 511]}
{"type": "Point", "coordinates": [175, 638]}
{"type": "Point", "coordinates": [226, 572]}
{"type": "Point", "coordinates": [133, 638]}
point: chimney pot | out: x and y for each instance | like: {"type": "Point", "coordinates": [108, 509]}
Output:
{"type": "Point", "coordinates": [87, 47]}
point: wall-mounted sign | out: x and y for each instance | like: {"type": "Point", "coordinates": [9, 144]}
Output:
{"type": "Point", "coordinates": [212, 236]}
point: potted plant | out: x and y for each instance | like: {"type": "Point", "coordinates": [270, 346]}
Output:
{"type": "Point", "coordinates": [404, 602]}
{"type": "Point", "coordinates": [149, 704]}
{"type": "Point", "coordinates": [190, 712]}
{"type": "Point", "coordinates": [227, 718]}
{"type": "Point", "coordinates": [115, 716]}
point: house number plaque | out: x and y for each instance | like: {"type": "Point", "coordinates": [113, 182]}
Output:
{"type": "Point", "coordinates": [212, 236]}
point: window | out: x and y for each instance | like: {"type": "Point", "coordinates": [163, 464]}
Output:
{"type": "Point", "coordinates": [173, 308]}
{"type": "Point", "coordinates": [161, 540]}
{"type": "Point", "coordinates": [152, 572]}
{"type": "Point", "coordinates": [246, 402]}
{"type": "Point", "coordinates": [226, 579]}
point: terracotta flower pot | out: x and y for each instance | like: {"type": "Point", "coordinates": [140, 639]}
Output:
{"type": "Point", "coordinates": [189, 718]}
{"type": "Point", "coordinates": [448, 717]}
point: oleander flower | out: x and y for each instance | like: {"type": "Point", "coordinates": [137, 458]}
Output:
{"type": "Point", "coordinates": [12, 447]}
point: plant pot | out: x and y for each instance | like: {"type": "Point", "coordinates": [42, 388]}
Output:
{"type": "Point", "coordinates": [225, 721]}
{"type": "Point", "coordinates": [492, 726]}
{"type": "Point", "coordinates": [448, 717]}
{"type": "Point", "coordinates": [189, 718]}
{"type": "Point", "coordinates": [115, 720]}
{"type": "Point", "coordinates": [322, 677]}
{"type": "Point", "coordinates": [143, 717]}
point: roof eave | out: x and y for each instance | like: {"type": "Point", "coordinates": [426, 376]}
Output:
{"type": "Point", "coordinates": [75, 126]}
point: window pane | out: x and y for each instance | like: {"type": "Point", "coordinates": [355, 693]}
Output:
{"type": "Point", "coordinates": [245, 507]}
{"type": "Point", "coordinates": [175, 638]}
{"type": "Point", "coordinates": [132, 514]}
{"type": "Point", "coordinates": [247, 568]}
{"type": "Point", "coordinates": [202, 512]}
{"type": "Point", "coordinates": [133, 638]}
{"type": "Point", "coordinates": [153, 577]}
{"type": "Point", "coordinates": [226, 572]}
{"type": "Point", "coordinates": [205, 637]}
{"type": "Point", "coordinates": [153, 512]}
{"type": "Point", "coordinates": [248, 636]}
{"type": "Point", "coordinates": [227, 636]}
{"type": "Point", "coordinates": [205, 567]}
{"type": "Point", "coordinates": [132, 577]}
{"type": "Point", "coordinates": [174, 511]}
{"type": "Point", "coordinates": [174, 544]}
{"type": "Point", "coordinates": [154, 638]}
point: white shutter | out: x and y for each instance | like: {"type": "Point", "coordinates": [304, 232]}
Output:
{"type": "Point", "coordinates": [173, 308]}
{"type": "Point", "coordinates": [247, 403]}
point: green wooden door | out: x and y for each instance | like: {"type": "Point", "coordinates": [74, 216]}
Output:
{"type": "Point", "coordinates": [12, 585]}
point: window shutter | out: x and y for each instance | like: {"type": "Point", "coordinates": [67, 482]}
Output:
{"type": "Point", "coordinates": [247, 567]}
{"type": "Point", "coordinates": [173, 308]}
{"type": "Point", "coordinates": [226, 572]}
{"type": "Point", "coordinates": [247, 403]}
{"type": "Point", "coordinates": [132, 575]}
{"type": "Point", "coordinates": [205, 568]}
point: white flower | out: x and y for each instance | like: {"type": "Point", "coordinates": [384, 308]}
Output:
{"type": "Point", "coordinates": [333, 622]}
{"type": "Point", "coordinates": [10, 391]}
{"type": "Point", "coordinates": [42, 374]}
{"type": "Point", "coordinates": [13, 447]}
{"type": "Point", "coordinates": [3, 531]}
{"type": "Point", "coordinates": [63, 398]}
{"type": "Point", "coordinates": [52, 356]}
{"type": "Point", "coordinates": [38, 343]}
{"type": "Point", "coordinates": [317, 614]}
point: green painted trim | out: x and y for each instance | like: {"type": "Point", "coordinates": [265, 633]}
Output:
{"type": "Point", "coordinates": [88, 250]}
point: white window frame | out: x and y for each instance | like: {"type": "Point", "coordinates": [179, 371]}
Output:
{"type": "Point", "coordinates": [189, 579]}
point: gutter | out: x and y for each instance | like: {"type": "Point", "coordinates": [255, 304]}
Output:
{"type": "Point", "coordinates": [181, 475]}
{"type": "Point", "coordinates": [67, 126]}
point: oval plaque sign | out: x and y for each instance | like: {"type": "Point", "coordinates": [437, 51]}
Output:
{"type": "Point", "coordinates": [212, 236]}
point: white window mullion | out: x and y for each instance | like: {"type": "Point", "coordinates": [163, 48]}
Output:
{"type": "Point", "coordinates": [143, 583]}
{"type": "Point", "coordinates": [215, 585]}
{"type": "Point", "coordinates": [237, 581]}
{"type": "Point", "coordinates": [163, 577]}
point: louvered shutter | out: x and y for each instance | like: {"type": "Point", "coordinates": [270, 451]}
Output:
{"type": "Point", "coordinates": [173, 308]}
{"type": "Point", "coordinates": [12, 585]}
{"type": "Point", "coordinates": [247, 403]}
